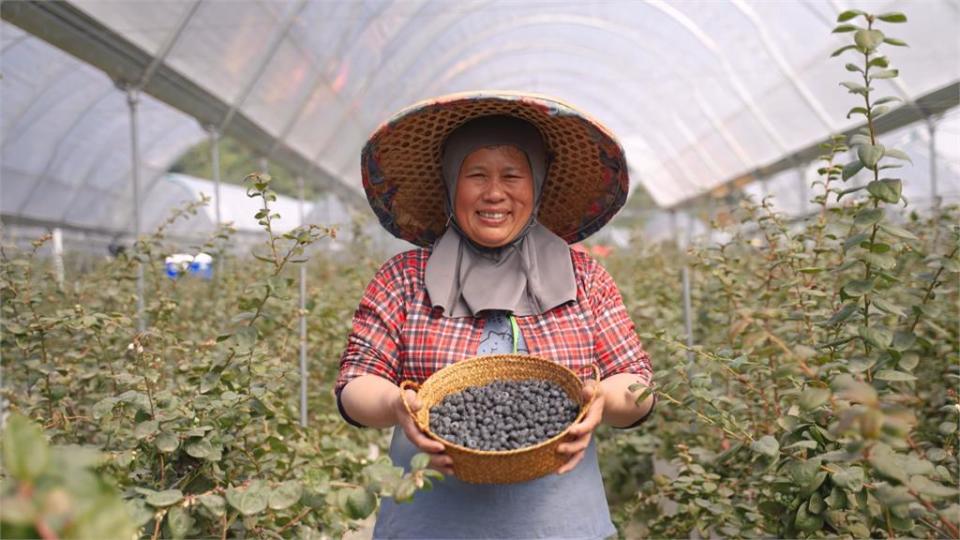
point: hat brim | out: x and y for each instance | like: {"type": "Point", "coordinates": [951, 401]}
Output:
{"type": "Point", "coordinates": [586, 183]}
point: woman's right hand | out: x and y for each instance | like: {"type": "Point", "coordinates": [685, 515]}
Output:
{"type": "Point", "coordinates": [438, 460]}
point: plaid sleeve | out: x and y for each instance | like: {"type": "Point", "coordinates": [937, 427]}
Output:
{"type": "Point", "coordinates": [373, 344]}
{"type": "Point", "coordinates": [618, 348]}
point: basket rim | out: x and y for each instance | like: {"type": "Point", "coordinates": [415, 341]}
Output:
{"type": "Point", "coordinates": [497, 357]}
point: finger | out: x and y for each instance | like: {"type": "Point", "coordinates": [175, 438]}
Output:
{"type": "Point", "coordinates": [571, 464]}
{"type": "Point", "coordinates": [445, 470]}
{"type": "Point", "coordinates": [589, 389]}
{"type": "Point", "coordinates": [418, 437]}
{"type": "Point", "coordinates": [572, 447]}
{"type": "Point", "coordinates": [420, 440]}
{"type": "Point", "coordinates": [441, 462]}
{"type": "Point", "coordinates": [411, 398]}
{"type": "Point", "coordinates": [590, 421]}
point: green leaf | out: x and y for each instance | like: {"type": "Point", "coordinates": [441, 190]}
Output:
{"type": "Point", "coordinates": [881, 62]}
{"type": "Point", "coordinates": [850, 479]}
{"type": "Point", "coordinates": [897, 154]}
{"type": "Point", "coordinates": [168, 497]}
{"type": "Point", "coordinates": [285, 495]}
{"type": "Point", "coordinates": [806, 475]}
{"type": "Point", "coordinates": [842, 314]}
{"type": "Point", "coordinates": [925, 486]}
{"type": "Point", "coordinates": [420, 461]}
{"type": "Point", "coordinates": [771, 508]}
{"type": "Point", "coordinates": [358, 503]}
{"type": "Point", "coordinates": [199, 449]}
{"type": "Point", "coordinates": [146, 429]}
{"type": "Point", "coordinates": [893, 17]}
{"type": "Point", "coordinates": [909, 361]}
{"type": "Point", "coordinates": [179, 522]}
{"type": "Point", "coordinates": [815, 504]}
{"type": "Point", "coordinates": [895, 42]}
{"type": "Point", "coordinates": [405, 491]}
{"type": "Point", "coordinates": [246, 338]}
{"type": "Point", "coordinates": [807, 522]}
{"type": "Point", "coordinates": [25, 450]}
{"type": "Point", "coordinates": [845, 28]}
{"type": "Point", "coordinates": [885, 463]}
{"type": "Point", "coordinates": [888, 306]}
{"type": "Point", "coordinates": [870, 154]}
{"type": "Point", "coordinates": [855, 88]}
{"type": "Point", "coordinates": [850, 169]}
{"type": "Point", "coordinates": [868, 39]}
{"type": "Point", "coordinates": [868, 216]}
{"type": "Point", "coordinates": [854, 68]}
{"type": "Point", "coordinates": [897, 231]}
{"type": "Point", "coordinates": [805, 443]}
{"type": "Point", "coordinates": [884, 74]}
{"type": "Point", "coordinates": [767, 446]}
{"type": "Point", "coordinates": [848, 14]}
{"type": "Point", "coordinates": [857, 110]}
{"type": "Point", "coordinates": [167, 442]}
{"type": "Point", "coordinates": [841, 50]}
{"type": "Point", "coordinates": [883, 261]}
{"type": "Point", "coordinates": [887, 190]}
{"type": "Point", "coordinates": [887, 99]}
{"type": "Point", "coordinates": [249, 500]}
{"type": "Point", "coordinates": [850, 389]}
{"type": "Point", "coordinates": [893, 375]}
{"type": "Point", "coordinates": [214, 503]}
{"type": "Point", "coordinates": [813, 397]}
{"type": "Point", "coordinates": [858, 287]}
{"type": "Point", "coordinates": [878, 337]}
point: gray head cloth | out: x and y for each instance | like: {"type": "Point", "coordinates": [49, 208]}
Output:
{"type": "Point", "coordinates": [529, 276]}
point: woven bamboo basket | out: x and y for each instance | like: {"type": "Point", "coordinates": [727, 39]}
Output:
{"type": "Point", "coordinates": [498, 467]}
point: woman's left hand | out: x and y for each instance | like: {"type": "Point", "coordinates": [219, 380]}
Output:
{"type": "Point", "coordinates": [578, 437]}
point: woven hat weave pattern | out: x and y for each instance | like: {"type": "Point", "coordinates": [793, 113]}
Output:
{"type": "Point", "coordinates": [586, 184]}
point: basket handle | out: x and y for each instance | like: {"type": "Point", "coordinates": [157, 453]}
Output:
{"type": "Point", "coordinates": [596, 375]}
{"type": "Point", "coordinates": [409, 385]}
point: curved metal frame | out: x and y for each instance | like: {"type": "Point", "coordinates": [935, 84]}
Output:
{"type": "Point", "coordinates": [57, 147]}
{"type": "Point", "coordinates": [787, 71]}
{"type": "Point", "coordinates": [365, 89]}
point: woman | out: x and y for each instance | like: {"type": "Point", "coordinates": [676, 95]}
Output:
{"type": "Point", "coordinates": [493, 187]}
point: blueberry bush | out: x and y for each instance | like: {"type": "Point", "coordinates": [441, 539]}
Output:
{"type": "Point", "coordinates": [190, 428]}
{"type": "Point", "coordinates": [818, 400]}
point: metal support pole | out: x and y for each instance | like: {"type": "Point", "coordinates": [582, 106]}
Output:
{"type": "Point", "coordinates": [58, 255]}
{"type": "Point", "coordinates": [133, 99]}
{"type": "Point", "coordinates": [934, 191]}
{"type": "Point", "coordinates": [804, 194]}
{"type": "Point", "coordinates": [687, 303]}
{"type": "Point", "coordinates": [681, 244]}
{"type": "Point", "coordinates": [215, 167]}
{"type": "Point", "coordinates": [303, 321]}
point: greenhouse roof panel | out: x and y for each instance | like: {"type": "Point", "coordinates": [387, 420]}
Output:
{"type": "Point", "coordinates": [700, 92]}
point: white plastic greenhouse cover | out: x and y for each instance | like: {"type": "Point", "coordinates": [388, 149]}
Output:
{"type": "Point", "coordinates": [699, 92]}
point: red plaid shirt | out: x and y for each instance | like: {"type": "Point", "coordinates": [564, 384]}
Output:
{"type": "Point", "coordinates": [399, 336]}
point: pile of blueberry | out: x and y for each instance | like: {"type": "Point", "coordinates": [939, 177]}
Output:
{"type": "Point", "coordinates": [503, 415]}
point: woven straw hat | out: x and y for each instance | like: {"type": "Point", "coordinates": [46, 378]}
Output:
{"type": "Point", "coordinates": [586, 181]}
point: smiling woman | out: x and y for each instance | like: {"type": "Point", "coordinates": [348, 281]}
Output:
{"type": "Point", "coordinates": [517, 179]}
{"type": "Point", "coordinates": [494, 197]}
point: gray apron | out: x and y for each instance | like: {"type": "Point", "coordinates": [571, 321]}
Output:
{"type": "Point", "coordinates": [572, 505]}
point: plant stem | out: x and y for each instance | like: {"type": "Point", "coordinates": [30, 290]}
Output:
{"type": "Point", "coordinates": [929, 292]}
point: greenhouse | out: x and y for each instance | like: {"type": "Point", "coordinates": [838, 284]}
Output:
{"type": "Point", "coordinates": [204, 204]}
